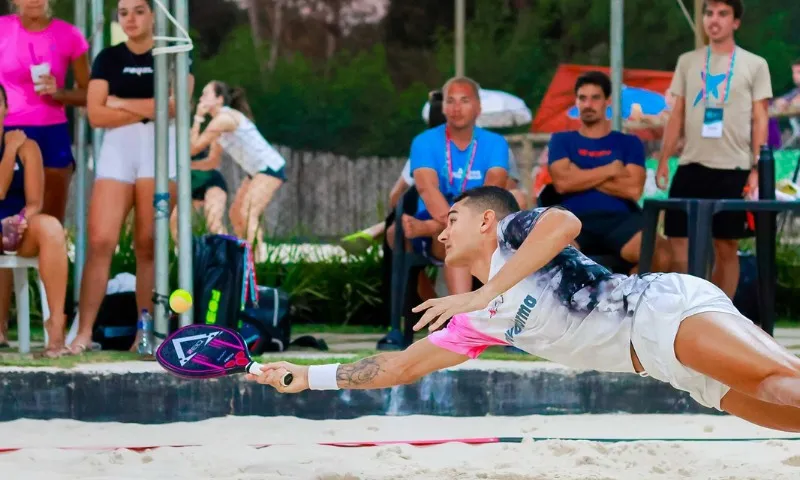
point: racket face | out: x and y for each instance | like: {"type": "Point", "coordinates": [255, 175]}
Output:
{"type": "Point", "coordinates": [203, 351]}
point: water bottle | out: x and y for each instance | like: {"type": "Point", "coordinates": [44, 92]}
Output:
{"type": "Point", "coordinates": [145, 334]}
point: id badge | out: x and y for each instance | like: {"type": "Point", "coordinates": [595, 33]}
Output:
{"type": "Point", "coordinates": [712, 123]}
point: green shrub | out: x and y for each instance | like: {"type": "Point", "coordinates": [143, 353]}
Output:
{"type": "Point", "coordinates": [338, 289]}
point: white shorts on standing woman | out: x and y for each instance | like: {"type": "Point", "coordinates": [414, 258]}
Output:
{"type": "Point", "coordinates": [128, 153]}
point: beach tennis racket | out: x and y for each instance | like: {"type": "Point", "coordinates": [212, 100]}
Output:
{"type": "Point", "coordinates": [208, 351]}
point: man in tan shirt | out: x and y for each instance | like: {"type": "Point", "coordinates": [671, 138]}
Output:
{"type": "Point", "coordinates": [721, 96]}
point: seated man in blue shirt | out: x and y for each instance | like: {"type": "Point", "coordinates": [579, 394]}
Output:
{"type": "Point", "coordinates": [600, 175]}
{"type": "Point", "coordinates": [447, 160]}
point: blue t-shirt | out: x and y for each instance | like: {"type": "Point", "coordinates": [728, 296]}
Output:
{"type": "Point", "coordinates": [428, 150]}
{"type": "Point", "coordinates": [588, 153]}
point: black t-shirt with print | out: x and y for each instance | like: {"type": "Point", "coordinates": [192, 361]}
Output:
{"type": "Point", "coordinates": [129, 75]}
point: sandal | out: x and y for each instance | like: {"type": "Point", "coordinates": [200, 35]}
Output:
{"type": "Point", "coordinates": [53, 353]}
{"type": "Point", "coordinates": [81, 348]}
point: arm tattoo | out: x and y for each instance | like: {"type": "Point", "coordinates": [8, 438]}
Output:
{"type": "Point", "coordinates": [364, 373]}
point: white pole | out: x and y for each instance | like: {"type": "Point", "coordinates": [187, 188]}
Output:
{"type": "Point", "coordinates": [617, 34]}
{"type": "Point", "coordinates": [460, 21]}
{"type": "Point", "coordinates": [161, 197]}
{"type": "Point", "coordinates": [98, 42]}
{"type": "Point", "coordinates": [80, 171]}
{"type": "Point", "coordinates": [182, 101]}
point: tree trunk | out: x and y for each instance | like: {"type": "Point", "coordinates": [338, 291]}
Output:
{"type": "Point", "coordinates": [332, 33]}
{"type": "Point", "coordinates": [255, 27]}
{"type": "Point", "coordinates": [277, 28]}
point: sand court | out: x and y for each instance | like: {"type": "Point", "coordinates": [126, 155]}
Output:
{"type": "Point", "coordinates": [226, 449]}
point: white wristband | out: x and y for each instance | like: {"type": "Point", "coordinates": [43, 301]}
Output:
{"type": "Point", "coordinates": [323, 377]}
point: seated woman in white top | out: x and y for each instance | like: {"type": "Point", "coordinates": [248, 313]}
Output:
{"type": "Point", "coordinates": [232, 128]}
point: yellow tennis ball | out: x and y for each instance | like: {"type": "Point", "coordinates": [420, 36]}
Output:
{"type": "Point", "coordinates": [180, 301]}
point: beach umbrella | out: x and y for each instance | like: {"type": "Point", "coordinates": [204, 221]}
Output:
{"type": "Point", "coordinates": [498, 110]}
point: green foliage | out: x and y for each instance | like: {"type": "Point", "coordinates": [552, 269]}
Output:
{"type": "Point", "coordinates": [338, 289]}
{"type": "Point", "coordinates": [353, 104]}
{"type": "Point", "coordinates": [350, 105]}
{"type": "Point", "coordinates": [303, 105]}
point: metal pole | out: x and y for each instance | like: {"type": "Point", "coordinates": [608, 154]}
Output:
{"type": "Point", "coordinates": [161, 196]}
{"type": "Point", "coordinates": [460, 21]}
{"type": "Point", "coordinates": [700, 38]}
{"type": "Point", "coordinates": [98, 42]}
{"type": "Point", "coordinates": [766, 225]}
{"type": "Point", "coordinates": [80, 173]}
{"type": "Point", "coordinates": [182, 97]}
{"type": "Point", "coordinates": [617, 34]}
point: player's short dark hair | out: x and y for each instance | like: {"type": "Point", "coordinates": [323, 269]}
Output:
{"type": "Point", "coordinates": [796, 62]}
{"type": "Point", "coordinates": [500, 200]}
{"type": "Point", "coordinates": [594, 78]}
{"type": "Point", "coordinates": [736, 5]}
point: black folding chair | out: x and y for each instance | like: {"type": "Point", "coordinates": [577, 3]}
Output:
{"type": "Point", "coordinates": [406, 266]}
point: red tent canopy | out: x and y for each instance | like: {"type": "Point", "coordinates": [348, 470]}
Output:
{"type": "Point", "coordinates": [551, 116]}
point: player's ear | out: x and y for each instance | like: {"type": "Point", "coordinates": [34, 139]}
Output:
{"type": "Point", "coordinates": [488, 219]}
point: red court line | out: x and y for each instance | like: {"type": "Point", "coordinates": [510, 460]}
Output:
{"type": "Point", "coordinates": [421, 443]}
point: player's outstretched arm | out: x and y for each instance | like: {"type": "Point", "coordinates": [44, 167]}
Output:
{"type": "Point", "coordinates": [378, 371]}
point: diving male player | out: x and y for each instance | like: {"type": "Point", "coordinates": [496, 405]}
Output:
{"type": "Point", "coordinates": [543, 296]}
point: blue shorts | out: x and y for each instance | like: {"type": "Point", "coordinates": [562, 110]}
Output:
{"type": "Point", "coordinates": [424, 245]}
{"type": "Point", "coordinates": [279, 174]}
{"type": "Point", "coordinates": [54, 141]}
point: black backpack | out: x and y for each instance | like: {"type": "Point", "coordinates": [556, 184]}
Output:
{"type": "Point", "coordinates": [224, 279]}
{"type": "Point", "coordinates": [266, 324]}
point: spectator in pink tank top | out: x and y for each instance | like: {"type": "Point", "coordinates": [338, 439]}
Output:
{"type": "Point", "coordinates": [38, 52]}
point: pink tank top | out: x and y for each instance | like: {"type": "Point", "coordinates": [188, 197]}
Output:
{"type": "Point", "coordinates": [59, 45]}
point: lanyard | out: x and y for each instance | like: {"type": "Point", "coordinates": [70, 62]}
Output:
{"type": "Point", "coordinates": [728, 77]}
{"type": "Point", "coordinates": [473, 147]}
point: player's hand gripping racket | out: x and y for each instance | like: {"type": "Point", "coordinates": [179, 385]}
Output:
{"type": "Point", "coordinates": [208, 351]}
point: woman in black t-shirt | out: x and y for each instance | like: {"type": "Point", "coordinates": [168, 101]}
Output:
{"type": "Point", "coordinates": [121, 100]}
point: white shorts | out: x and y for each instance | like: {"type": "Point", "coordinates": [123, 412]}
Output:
{"type": "Point", "coordinates": [667, 301]}
{"type": "Point", "coordinates": [128, 153]}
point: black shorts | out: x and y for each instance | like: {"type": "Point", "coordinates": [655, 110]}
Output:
{"type": "Point", "coordinates": [202, 180]}
{"type": "Point", "coordinates": [605, 233]}
{"type": "Point", "coordinates": [697, 181]}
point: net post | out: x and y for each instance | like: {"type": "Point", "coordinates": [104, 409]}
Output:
{"type": "Point", "coordinates": [182, 97]}
{"type": "Point", "coordinates": [80, 126]}
{"type": "Point", "coordinates": [161, 197]}
{"type": "Point", "coordinates": [617, 53]}
{"type": "Point", "coordinates": [98, 42]}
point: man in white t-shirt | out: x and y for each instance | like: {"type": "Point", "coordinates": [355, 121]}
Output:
{"type": "Point", "coordinates": [543, 296]}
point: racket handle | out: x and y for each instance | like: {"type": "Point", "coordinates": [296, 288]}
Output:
{"type": "Point", "coordinates": [255, 369]}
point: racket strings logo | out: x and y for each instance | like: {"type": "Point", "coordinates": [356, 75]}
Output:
{"type": "Point", "coordinates": [197, 341]}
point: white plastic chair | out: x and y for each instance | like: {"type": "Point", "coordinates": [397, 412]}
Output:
{"type": "Point", "coordinates": [20, 267]}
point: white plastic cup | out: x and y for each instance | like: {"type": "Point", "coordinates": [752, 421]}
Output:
{"type": "Point", "coordinates": [37, 71]}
